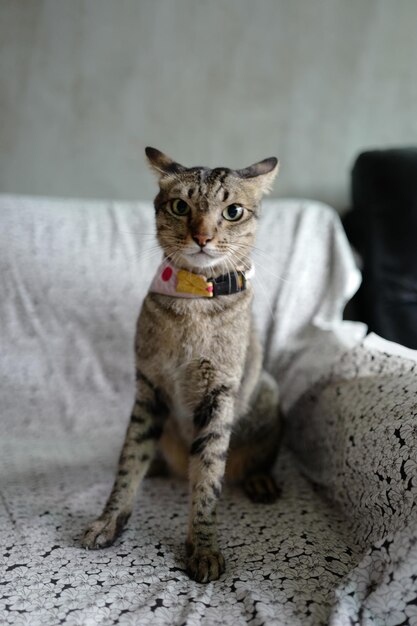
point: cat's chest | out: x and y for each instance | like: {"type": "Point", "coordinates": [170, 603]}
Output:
{"type": "Point", "coordinates": [181, 344]}
{"type": "Point", "coordinates": [172, 344]}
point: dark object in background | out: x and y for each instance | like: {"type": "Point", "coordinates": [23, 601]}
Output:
{"type": "Point", "coordinates": [382, 226]}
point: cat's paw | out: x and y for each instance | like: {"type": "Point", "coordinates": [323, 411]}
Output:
{"type": "Point", "coordinates": [103, 532]}
{"type": "Point", "coordinates": [261, 488]}
{"type": "Point", "coordinates": [205, 565]}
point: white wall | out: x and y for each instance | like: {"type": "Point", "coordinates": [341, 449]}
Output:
{"type": "Point", "coordinates": [86, 84]}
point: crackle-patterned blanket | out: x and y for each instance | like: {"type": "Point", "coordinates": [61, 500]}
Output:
{"type": "Point", "coordinates": [340, 546]}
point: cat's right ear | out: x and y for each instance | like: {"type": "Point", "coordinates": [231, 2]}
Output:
{"type": "Point", "coordinates": [162, 164]}
{"type": "Point", "coordinates": [261, 175]}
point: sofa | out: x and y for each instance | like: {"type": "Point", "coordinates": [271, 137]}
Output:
{"type": "Point", "coordinates": [382, 226]}
{"type": "Point", "coordinates": [340, 545]}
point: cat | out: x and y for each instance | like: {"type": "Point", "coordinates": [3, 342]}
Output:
{"type": "Point", "coordinates": [202, 396]}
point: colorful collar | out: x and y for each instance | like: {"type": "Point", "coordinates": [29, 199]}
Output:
{"type": "Point", "coordinates": [171, 281]}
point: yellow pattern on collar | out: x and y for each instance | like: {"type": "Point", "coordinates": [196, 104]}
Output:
{"type": "Point", "coordinates": [193, 284]}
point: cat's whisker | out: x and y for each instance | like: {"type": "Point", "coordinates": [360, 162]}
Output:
{"type": "Point", "coordinates": [153, 247]}
{"type": "Point", "coordinates": [267, 297]}
{"type": "Point", "coordinates": [253, 248]}
{"type": "Point", "coordinates": [244, 248]}
{"type": "Point", "coordinates": [241, 258]}
{"type": "Point", "coordinates": [148, 253]}
{"type": "Point", "coordinates": [264, 289]}
{"type": "Point", "coordinates": [225, 265]}
{"type": "Point", "coordinates": [267, 269]}
{"type": "Point", "coordinates": [232, 269]}
{"type": "Point", "coordinates": [144, 258]}
{"type": "Point", "coordinates": [175, 256]}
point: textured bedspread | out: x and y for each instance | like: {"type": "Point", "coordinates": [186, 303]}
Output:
{"type": "Point", "coordinates": [339, 547]}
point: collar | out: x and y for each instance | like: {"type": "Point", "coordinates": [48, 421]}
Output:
{"type": "Point", "coordinates": [178, 283]}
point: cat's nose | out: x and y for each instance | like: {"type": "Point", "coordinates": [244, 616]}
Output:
{"type": "Point", "coordinates": [202, 239]}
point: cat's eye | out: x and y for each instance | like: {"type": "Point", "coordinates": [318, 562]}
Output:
{"type": "Point", "coordinates": [233, 213]}
{"type": "Point", "coordinates": [179, 207]}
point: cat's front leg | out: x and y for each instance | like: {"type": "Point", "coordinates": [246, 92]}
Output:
{"type": "Point", "coordinates": [213, 419]}
{"type": "Point", "coordinates": [139, 447]}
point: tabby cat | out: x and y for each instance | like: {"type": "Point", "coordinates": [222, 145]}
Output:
{"type": "Point", "coordinates": [202, 397]}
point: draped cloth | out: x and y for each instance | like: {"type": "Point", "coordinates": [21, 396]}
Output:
{"type": "Point", "coordinates": [339, 547]}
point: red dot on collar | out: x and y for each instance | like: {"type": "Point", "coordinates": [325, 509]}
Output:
{"type": "Point", "coordinates": [166, 274]}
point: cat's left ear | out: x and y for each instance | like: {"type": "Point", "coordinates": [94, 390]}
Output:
{"type": "Point", "coordinates": [162, 164]}
{"type": "Point", "coordinates": [262, 174]}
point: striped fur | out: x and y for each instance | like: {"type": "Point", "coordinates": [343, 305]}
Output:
{"type": "Point", "coordinates": [201, 395]}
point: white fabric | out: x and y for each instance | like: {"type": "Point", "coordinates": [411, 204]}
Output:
{"type": "Point", "coordinates": [72, 277]}
{"type": "Point", "coordinates": [75, 273]}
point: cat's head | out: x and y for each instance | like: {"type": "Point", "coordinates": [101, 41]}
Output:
{"type": "Point", "coordinates": [206, 218]}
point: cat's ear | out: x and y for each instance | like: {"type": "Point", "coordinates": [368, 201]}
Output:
{"type": "Point", "coordinates": [262, 174]}
{"type": "Point", "coordinates": [162, 164]}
